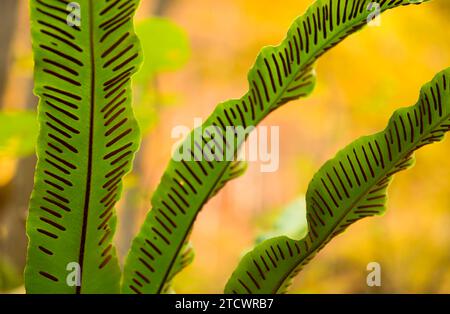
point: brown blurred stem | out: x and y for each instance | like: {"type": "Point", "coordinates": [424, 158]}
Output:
{"type": "Point", "coordinates": [14, 196]}
{"type": "Point", "coordinates": [8, 20]}
{"type": "Point", "coordinates": [161, 7]}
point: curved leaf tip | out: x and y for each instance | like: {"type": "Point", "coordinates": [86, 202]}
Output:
{"type": "Point", "coordinates": [351, 186]}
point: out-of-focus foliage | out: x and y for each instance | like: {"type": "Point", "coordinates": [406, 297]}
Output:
{"type": "Point", "coordinates": [10, 276]}
{"type": "Point", "coordinates": [18, 133]}
{"type": "Point", "coordinates": [166, 48]}
{"type": "Point", "coordinates": [165, 44]}
{"type": "Point", "coordinates": [291, 222]}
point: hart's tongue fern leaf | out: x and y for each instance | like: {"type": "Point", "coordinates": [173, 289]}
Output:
{"type": "Point", "coordinates": [87, 140]}
{"type": "Point", "coordinates": [347, 188]}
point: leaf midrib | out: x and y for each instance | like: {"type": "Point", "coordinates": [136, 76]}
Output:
{"type": "Point", "coordinates": [385, 171]}
{"type": "Point", "coordinates": [87, 196]}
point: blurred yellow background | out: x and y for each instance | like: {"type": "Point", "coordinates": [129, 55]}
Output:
{"type": "Point", "coordinates": [360, 83]}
